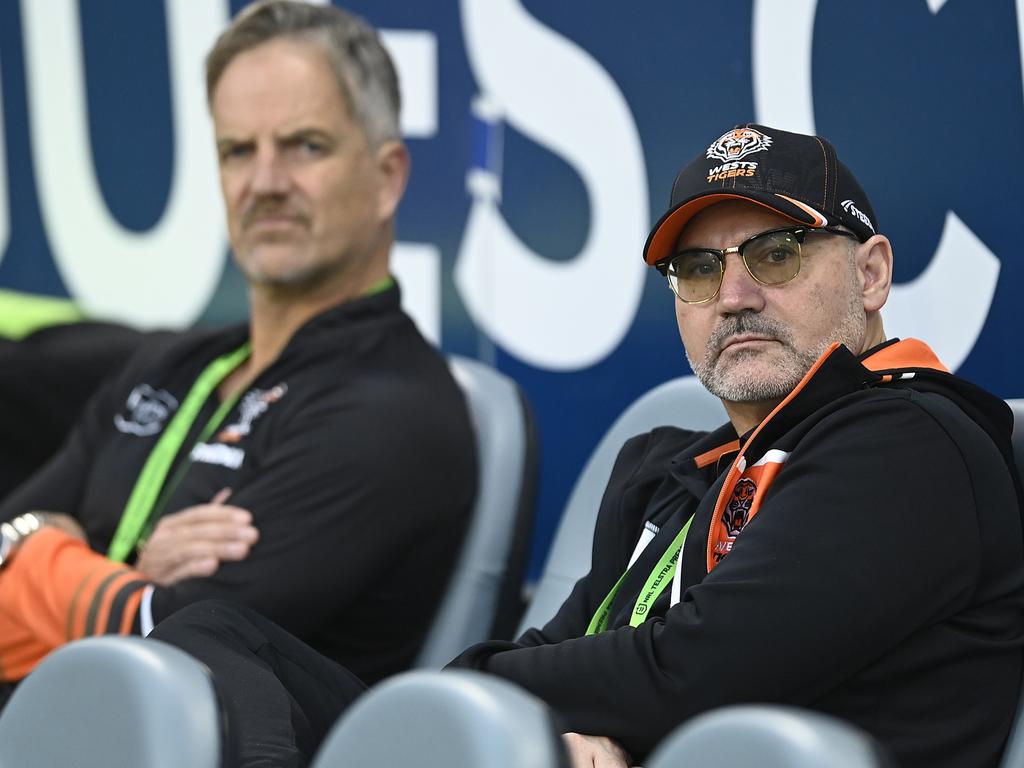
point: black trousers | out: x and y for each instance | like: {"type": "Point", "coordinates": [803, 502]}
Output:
{"type": "Point", "coordinates": [6, 691]}
{"type": "Point", "coordinates": [280, 696]}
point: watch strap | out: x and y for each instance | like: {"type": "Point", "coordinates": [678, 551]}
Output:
{"type": "Point", "coordinates": [14, 533]}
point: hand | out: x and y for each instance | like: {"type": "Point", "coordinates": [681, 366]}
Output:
{"type": "Point", "coordinates": [196, 540]}
{"type": "Point", "coordinates": [594, 752]}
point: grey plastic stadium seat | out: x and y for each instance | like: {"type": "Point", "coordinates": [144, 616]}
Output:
{"type": "Point", "coordinates": [457, 719]}
{"type": "Point", "coordinates": [1014, 756]}
{"type": "Point", "coordinates": [681, 402]}
{"type": "Point", "coordinates": [767, 737]}
{"type": "Point", "coordinates": [1017, 406]}
{"type": "Point", "coordinates": [488, 577]}
{"type": "Point", "coordinates": [113, 701]}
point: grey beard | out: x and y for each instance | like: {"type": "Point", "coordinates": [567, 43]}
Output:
{"type": "Point", "coordinates": [733, 384]}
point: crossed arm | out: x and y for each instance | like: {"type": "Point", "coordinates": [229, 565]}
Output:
{"type": "Point", "coordinates": [57, 589]}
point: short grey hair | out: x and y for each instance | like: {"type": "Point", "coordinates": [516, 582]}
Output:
{"type": "Point", "coordinates": [365, 73]}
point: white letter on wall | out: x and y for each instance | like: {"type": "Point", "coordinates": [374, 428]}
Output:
{"type": "Point", "coordinates": [161, 277]}
{"type": "Point", "coordinates": [556, 315]}
{"type": "Point", "coordinates": [783, 99]}
{"type": "Point", "coordinates": [417, 265]}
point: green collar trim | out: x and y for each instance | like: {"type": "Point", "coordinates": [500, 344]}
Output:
{"type": "Point", "coordinates": [380, 286]}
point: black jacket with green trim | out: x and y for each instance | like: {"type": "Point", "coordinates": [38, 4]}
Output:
{"type": "Point", "coordinates": [877, 573]}
{"type": "Point", "coordinates": [353, 451]}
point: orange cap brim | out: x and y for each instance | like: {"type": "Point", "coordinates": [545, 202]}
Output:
{"type": "Point", "coordinates": [662, 240]}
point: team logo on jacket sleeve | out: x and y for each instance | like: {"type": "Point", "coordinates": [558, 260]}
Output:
{"type": "Point", "coordinates": [737, 144]}
{"type": "Point", "coordinates": [146, 411]}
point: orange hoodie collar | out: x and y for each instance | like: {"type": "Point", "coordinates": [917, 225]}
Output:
{"type": "Point", "coordinates": [906, 353]}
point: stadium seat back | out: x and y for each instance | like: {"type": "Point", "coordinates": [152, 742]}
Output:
{"type": "Point", "coordinates": [768, 737]}
{"type": "Point", "coordinates": [113, 701]}
{"type": "Point", "coordinates": [1017, 406]}
{"type": "Point", "coordinates": [483, 598]}
{"type": "Point", "coordinates": [1014, 757]}
{"type": "Point", "coordinates": [681, 402]}
{"type": "Point", "coordinates": [456, 719]}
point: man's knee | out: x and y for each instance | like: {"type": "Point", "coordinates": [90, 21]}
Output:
{"type": "Point", "coordinates": [218, 618]}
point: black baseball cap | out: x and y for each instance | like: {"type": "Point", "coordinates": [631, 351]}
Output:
{"type": "Point", "coordinates": [796, 175]}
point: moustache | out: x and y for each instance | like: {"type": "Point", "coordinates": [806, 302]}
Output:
{"type": "Point", "coordinates": [267, 208]}
{"type": "Point", "coordinates": [745, 323]}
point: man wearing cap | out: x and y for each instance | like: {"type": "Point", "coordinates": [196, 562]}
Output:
{"type": "Point", "coordinates": [850, 541]}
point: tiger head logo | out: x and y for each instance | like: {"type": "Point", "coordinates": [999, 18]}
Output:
{"type": "Point", "coordinates": [737, 511]}
{"type": "Point", "coordinates": [737, 144]}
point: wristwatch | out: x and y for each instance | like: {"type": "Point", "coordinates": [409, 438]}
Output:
{"type": "Point", "coordinates": [15, 532]}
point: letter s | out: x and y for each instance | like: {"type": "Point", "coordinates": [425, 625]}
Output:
{"type": "Point", "coordinates": [556, 315]}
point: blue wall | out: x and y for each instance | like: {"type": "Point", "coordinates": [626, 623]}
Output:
{"type": "Point", "coordinates": [527, 253]}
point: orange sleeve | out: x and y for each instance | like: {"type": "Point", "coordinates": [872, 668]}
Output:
{"type": "Point", "coordinates": [55, 590]}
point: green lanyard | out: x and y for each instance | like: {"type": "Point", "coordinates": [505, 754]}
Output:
{"type": "Point", "coordinates": [151, 488]}
{"type": "Point", "coordinates": [660, 578]}
{"type": "Point", "coordinates": [151, 481]}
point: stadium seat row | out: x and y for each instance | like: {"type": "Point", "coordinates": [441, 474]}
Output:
{"type": "Point", "coordinates": [127, 701]}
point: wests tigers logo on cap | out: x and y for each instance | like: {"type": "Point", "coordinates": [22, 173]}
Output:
{"type": "Point", "coordinates": [738, 143]}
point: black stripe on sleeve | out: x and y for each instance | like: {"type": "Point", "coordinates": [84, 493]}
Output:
{"type": "Point", "coordinates": [117, 606]}
{"type": "Point", "coordinates": [97, 601]}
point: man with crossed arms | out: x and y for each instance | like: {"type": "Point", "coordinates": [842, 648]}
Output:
{"type": "Point", "coordinates": [287, 464]}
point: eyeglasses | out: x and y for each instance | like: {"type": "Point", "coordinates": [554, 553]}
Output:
{"type": "Point", "coordinates": [771, 258]}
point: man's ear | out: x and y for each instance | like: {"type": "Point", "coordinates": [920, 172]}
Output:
{"type": "Point", "coordinates": [874, 268]}
{"type": "Point", "coordinates": [393, 164]}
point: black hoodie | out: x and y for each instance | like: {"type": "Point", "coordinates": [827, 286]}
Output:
{"type": "Point", "coordinates": [858, 553]}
